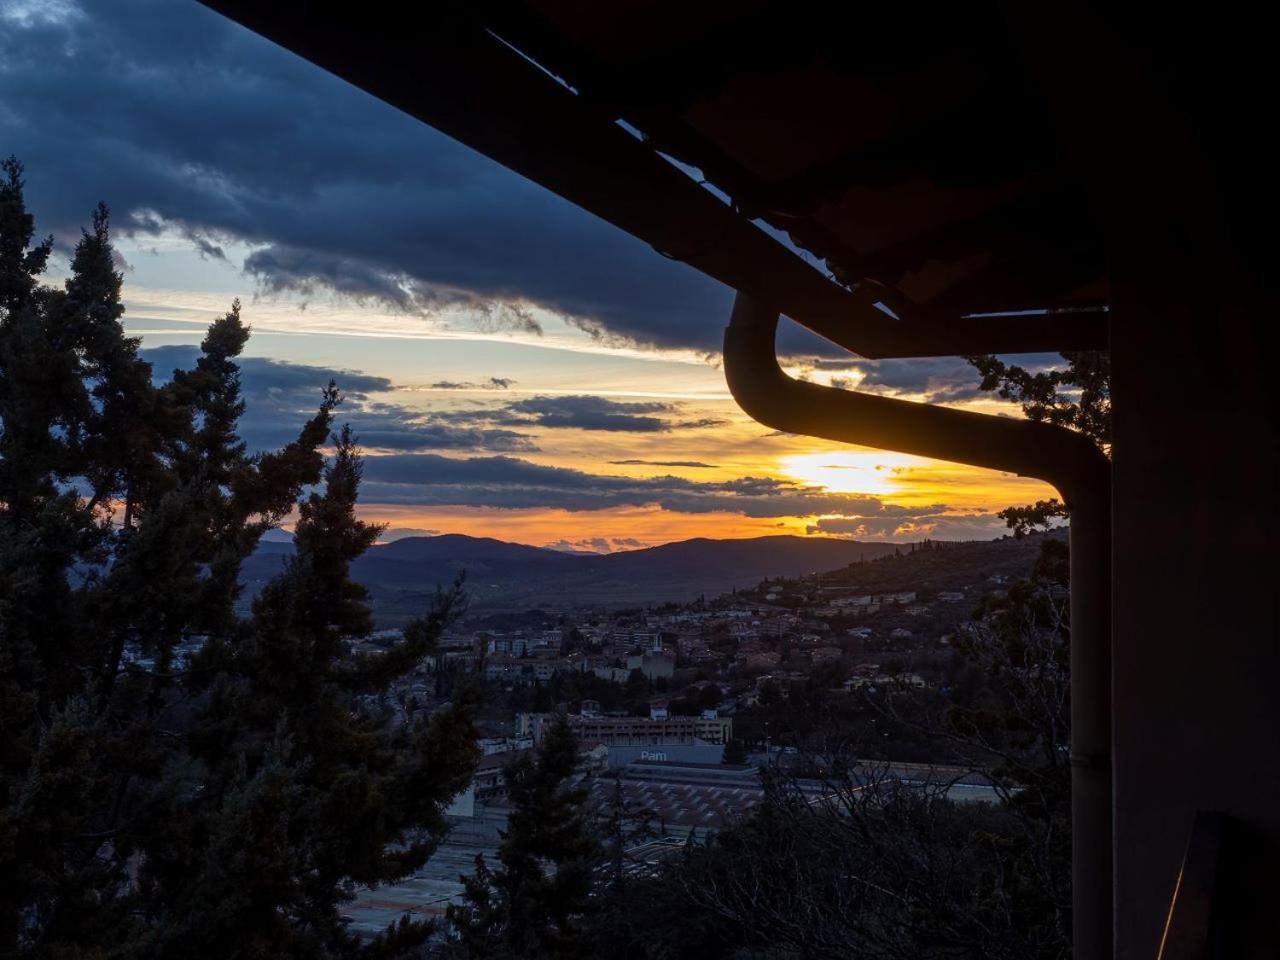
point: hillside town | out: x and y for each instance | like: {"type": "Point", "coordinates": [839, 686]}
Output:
{"type": "Point", "coordinates": [681, 708]}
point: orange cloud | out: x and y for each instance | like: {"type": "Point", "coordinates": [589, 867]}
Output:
{"type": "Point", "coordinates": [648, 526]}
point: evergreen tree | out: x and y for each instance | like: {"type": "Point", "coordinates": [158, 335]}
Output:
{"type": "Point", "coordinates": [306, 789]}
{"type": "Point", "coordinates": [534, 904]}
{"type": "Point", "coordinates": [622, 896]}
{"type": "Point", "coordinates": [177, 779]}
{"type": "Point", "coordinates": [637, 685]}
{"type": "Point", "coordinates": [620, 825]}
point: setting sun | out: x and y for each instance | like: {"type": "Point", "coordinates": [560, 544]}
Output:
{"type": "Point", "coordinates": [872, 471]}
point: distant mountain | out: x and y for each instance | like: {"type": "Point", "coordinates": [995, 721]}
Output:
{"type": "Point", "coordinates": [457, 547]}
{"type": "Point", "coordinates": [403, 575]}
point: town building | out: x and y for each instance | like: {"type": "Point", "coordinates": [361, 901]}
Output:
{"type": "Point", "coordinates": [632, 731]}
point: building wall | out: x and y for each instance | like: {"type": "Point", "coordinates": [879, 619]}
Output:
{"type": "Point", "coordinates": [1196, 679]}
{"type": "Point", "coordinates": [640, 730]}
{"type": "Point", "coordinates": [621, 755]}
{"type": "Point", "coordinates": [1196, 702]}
{"type": "Point", "coordinates": [636, 731]}
{"type": "Point", "coordinates": [1186, 192]}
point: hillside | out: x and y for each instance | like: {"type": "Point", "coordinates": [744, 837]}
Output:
{"type": "Point", "coordinates": [402, 576]}
{"type": "Point", "coordinates": [947, 566]}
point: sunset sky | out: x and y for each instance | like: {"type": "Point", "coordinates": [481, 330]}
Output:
{"type": "Point", "coordinates": [515, 367]}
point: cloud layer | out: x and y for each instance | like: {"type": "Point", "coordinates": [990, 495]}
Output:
{"type": "Point", "coordinates": [190, 125]}
{"type": "Point", "coordinates": [597, 413]}
{"type": "Point", "coordinates": [688, 464]}
{"type": "Point", "coordinates": [280, 397]}
{"type": "Point", "coordinates": [428, 480]}
{"type": "Point", "coordinates": [493, 383]}
{"type": "Point", "coordinates": [185, 122]}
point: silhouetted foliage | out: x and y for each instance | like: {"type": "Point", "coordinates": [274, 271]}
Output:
{"type": "Point", "coordinates": [620, 825]}
{"type": "Point", "coordinates": [1036, 516]}
{"type": "Point", "coordinates": [534, 903]}
{"type": "Point", "coordinates": [1077, 396]}
{"type": "Point", "coordinates": [178, 779]}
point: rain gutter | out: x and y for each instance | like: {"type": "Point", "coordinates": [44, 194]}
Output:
{"type": "Point", "coordinates": [1069, 462]}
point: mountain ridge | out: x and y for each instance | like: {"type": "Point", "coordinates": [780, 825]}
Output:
{"type": "Point", "coordinates": [403, 575]}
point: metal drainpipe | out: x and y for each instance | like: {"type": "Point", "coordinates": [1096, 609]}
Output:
{"type": "Point", "coordinates": [1082, 476]}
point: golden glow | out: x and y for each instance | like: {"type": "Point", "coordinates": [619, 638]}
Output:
{"type": "Point", "coordinates": [870, 472]}
{"type": "Point", "coordinates": [704, 439]}
{"type": "Point", "coordinates": [646, 526]}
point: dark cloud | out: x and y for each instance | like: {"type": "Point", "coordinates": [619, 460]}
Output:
{"type": "Point", "coordinates": [493, 383]}
{"type": "Point", "coordinates": [662, 463]}
{"type": "Point", "coordinates": [208, 249]}
{"type": "Point", "coordinates": [927, 522]}
{"type": "Point", "coordinates": [585, 545]}
{"type": "Point", "coordinates": [596, 544]}
{"type": "Point", "coordinates": [584, 412]}
{"type": "Point", "coordinates": [511, 483]}
{"type": "Point", "coordinates": [939, 379]}
{"type": "Point", "coordinates": [282, 267]}
{"type": "Point", "coordinates": [280, 397]}
{"type": "Point", "coordinates": [183, 121]}
{"type": "Point", "coordinates": [589, 413]}
{"type": "Point", "coordinates": [263, 378]}
{"type": "Point", "coordinates": [404, 431]}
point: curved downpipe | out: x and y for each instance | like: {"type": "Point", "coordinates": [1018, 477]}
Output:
{"type": "Point", "coordinates": [1068, 461]}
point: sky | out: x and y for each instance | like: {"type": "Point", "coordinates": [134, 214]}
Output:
{"type": "Point", "coordinates": [513, 366]}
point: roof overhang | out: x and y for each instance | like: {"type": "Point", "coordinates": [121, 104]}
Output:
{"type": "Point", "coordinates": [922, 181]}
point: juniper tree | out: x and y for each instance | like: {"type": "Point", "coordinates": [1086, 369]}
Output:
{"type": "Point", "coordinates": [151, 803]}
{"type": "Point", "coordinates": [304, 792]}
